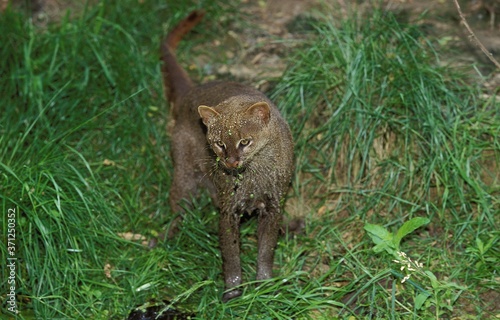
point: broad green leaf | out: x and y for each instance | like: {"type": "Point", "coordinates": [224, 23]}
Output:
{"type": "Point", "coordinates": [480, 245]}
{"type": "Point", "coordinates": [381, 237]}
{"type": "Point", "coordinates": [378, 233]}
{"type": "Point", "coordinates": [420, 300]}
{"type": "Point", "coordinates": [434, 281]}
{"type": "Point", "coordinates": [408, 227]}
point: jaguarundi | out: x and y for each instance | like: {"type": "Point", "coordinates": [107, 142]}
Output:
{"type": "Point", "coordinates": [232, 140]}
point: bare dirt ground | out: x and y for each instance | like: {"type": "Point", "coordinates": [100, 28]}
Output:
{"type": "Point", "coordinates": [439, 18]}
{"type": "Point", "coordinates": [257, 49]}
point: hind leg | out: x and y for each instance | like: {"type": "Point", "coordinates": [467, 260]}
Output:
{"type": "Point", "coordinates": [184, 187]}
{"type": "Point", "coordinates": [267, 231]}
{"type": "Point", "coordinates": [188, 153]}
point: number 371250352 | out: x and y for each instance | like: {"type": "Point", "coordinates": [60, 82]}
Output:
{"type": "Point", "coordinates": [11, 228]}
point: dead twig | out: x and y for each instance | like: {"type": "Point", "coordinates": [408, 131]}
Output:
{"type": "Point", "coordinates": [473, 36]}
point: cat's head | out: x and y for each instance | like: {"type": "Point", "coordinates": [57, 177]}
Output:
{"type": "Point", "coordinates": [235, 137]}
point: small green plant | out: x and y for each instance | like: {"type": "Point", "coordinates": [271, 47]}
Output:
{"type": "Point", "coordinates": [441, 294]}
{"type": "Point", "coordinates": [386, 240]}
{"type": "Point", "coordinates": [485, 253]}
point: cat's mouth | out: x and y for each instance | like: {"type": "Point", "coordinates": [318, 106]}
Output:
{"type": "Point", "coordinates": [231, 168]}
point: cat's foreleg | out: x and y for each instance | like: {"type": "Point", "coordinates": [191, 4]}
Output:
{"type": "Point", "coordinates": [229, 237]}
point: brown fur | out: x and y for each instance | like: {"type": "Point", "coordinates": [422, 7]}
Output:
{"type": "Point", "coordinates": [231, 139]}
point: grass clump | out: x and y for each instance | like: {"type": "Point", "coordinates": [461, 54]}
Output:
{"type": "Point", "coordinates": [84, 159]}
{"type": "Point", "coordinates": [385, 135]}
{"type": "Point", "coordinates": [386, 139]}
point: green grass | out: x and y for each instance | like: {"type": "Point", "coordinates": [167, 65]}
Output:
{"type": "Point", "coordinates": [384, 133]}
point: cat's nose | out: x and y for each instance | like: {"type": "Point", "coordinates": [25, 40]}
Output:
{"type": "Point", "coordinates": [233, 163]}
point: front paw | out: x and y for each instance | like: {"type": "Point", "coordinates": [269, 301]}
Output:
{"type": "Point", "coordinates": [228, 295]}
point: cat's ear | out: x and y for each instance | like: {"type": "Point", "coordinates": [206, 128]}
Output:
{"type": "Point", "coordinates": [260, 110]}
{"type": "Point", "coordinates": [207, 113]}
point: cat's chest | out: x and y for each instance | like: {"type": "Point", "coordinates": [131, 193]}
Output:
{"type": "Point", "coordinates": [246, 191]}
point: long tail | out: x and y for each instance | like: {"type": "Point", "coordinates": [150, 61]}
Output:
{"type": "Point", "coordinates": [175, 79]}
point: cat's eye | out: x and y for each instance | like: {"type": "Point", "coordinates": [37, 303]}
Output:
{"type": "Point", "coordinates": [220, 144]}
{"type": "Point", "coordinates": [245, 142]}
